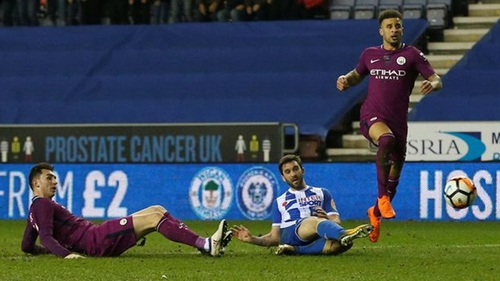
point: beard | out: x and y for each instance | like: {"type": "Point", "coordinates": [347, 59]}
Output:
{"type": "Point", "coordinates": [297, 184]}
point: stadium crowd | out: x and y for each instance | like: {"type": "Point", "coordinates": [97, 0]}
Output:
{"type": "Point", "coordinates": [124, 12]}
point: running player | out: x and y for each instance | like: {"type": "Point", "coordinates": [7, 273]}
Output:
{"type": "Point", "coordinates": [393, 68]}
{"type": "Point", "coordinates": [66, 235]}
{"type": "Point", "coordinates": [305, 219]}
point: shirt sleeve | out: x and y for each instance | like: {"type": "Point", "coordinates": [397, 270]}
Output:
{"type": "Point", "coordinates": [276, 214]}
{"type": "Point", "coordinates": [29, 239]}
{"type": "Point", "coordinates": [361, 66]}
{"type": "Point", "coordinates": [43, 212]}
{"type": "Point", "coordinates": [328, 203]}
{"type": "Point", "coordinates": [423, 65]}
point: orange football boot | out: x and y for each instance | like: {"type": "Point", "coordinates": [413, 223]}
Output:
{"type": "Point", "coordinates": [375, 222]}
{"type": "Point", "coordinates": [385, 207]}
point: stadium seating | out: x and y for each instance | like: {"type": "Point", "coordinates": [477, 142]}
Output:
{"type": "Point", "coordinates": [389, 4]}
{"type": "Point", "coordinates": [463, 99]}
{"type": "Point", "coordinates": [365, 9]}
{"type": "Point", "coordinates": [281, 71]}
{"type": "Point", "coordinates": [414, 9]}
{"type": "Point", "coordinates": [439, 13]}
{"type": "Point", "coordinates": [341, 9]}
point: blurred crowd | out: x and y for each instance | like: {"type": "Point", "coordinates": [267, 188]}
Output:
{"type": "Point", "coordinates": [124, 12]}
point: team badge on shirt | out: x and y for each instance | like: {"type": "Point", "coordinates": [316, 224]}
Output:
{"type": "Point", "coordinates": [401, 60]}
{"type": "Point", "coordinates": [256, 189]}
{"type": "Point", "coordinates": [211, 193]}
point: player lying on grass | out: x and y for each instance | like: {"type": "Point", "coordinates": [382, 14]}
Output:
{"type": "Point", "coordinates": [305, 219]}
{"type": "Point", "coordinates": [66, 235]}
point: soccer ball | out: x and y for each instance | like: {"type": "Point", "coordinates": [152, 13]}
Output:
{"type": "Point", "coordinates": [459, 192]}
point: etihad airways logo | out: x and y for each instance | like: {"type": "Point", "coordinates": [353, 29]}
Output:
{"type": "Point", "coordinates": [386, 74]}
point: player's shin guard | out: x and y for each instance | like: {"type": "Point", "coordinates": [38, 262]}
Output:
{"type": "Point", "coordinates": [329, 230]}
{"type": "Point", "coordinates": [386, 144]}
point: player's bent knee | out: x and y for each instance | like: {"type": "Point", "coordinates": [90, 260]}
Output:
{"type": "Point", "coordinates": [312, 222]}
{"type": "Point", "coordinates": [159, 208]}
{"type": "Point", "coordinates": [156, 215]}
{"type": "Point", "coordinates": [149, 217]}
{"type": "Point", "coordinates": [153, 209]}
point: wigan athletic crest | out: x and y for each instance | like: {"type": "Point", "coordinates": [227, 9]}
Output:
{"type": "Point", "coordinates": [211, 193]}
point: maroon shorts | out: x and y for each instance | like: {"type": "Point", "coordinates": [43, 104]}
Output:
{"type": "Point", "coordinates": [111, 238]}
{"type": "Point", "coordinates": [399, 153]}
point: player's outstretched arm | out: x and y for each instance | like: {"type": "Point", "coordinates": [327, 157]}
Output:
{"type": "Point", "coordinates": [243, 234]}
{"type": "Point", "coordinates": [28, 244]}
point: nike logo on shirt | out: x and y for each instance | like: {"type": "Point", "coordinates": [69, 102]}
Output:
{"type": "Point", "coordinates": [374, 61]}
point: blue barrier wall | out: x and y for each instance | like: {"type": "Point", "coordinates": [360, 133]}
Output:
{"type": "Point", "coordinates": [471, 89]}
{"type": "Point", "coordinates": [239, 72]}
{"type": "Point", "coordinates": [245, 191]}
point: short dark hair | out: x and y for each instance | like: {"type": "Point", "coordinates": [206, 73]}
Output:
{"type": "Point", "coordinates": [36, 171]}
{"type": "Point", "coordinates": [289, 158]}
{"type": "Point", "coordinates": [389, 14]}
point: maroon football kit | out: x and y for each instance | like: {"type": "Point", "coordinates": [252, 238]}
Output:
{"type": "Point", "coordinates": [62, 233]}
{"type": "Point", "coordinates": [392, 76]}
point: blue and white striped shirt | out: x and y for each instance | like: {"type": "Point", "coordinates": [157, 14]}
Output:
{"type": "Point", "coordinates": [294, 205]}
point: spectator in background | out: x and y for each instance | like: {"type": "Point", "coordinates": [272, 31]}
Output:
{"type": "Point", "coordinates": [160, 10]}
{"type": "Point", "coordinates": [232, 10]}
{"type": "Point", "coordinates": [28, 12]}
{"type": "Point", "coordinates": [182, 10]}
{"type": "Point", "coordinates": [259, 10]}
{"type": "Point", "coordinates": [91, 12]}
{"type": "Point", "coordinates": [313, 9]}
{"type": "Point", "coordinates": [9, 12]}
{"type": "Point", "coordinates": [116, 11]}
{"type": "Point", "coordinates": [285, 9]}
{"type": "Point", "coordinates": [57, 12]}
{"type": "Point", "coordinates": [207, 10]}
{"type": "Point", "coordinates": [140, 11]}
{"type": "Point", "coordinates": [73, 11]}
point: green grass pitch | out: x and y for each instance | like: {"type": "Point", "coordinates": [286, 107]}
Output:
{"type": "Point", "coordinates": [407, 250]}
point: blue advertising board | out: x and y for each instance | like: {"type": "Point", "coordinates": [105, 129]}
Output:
{"type": "Point", "coordinates": [246, 191]}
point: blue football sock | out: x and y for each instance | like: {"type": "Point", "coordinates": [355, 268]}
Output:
{"type": "Point", "coordinates": [330, 230]}
{"type": "Point", "coordinates": [316, 247]}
